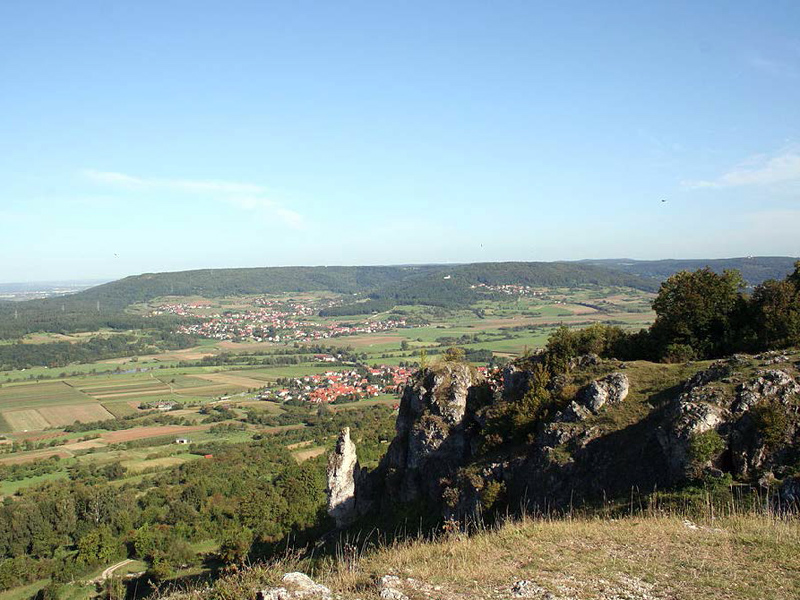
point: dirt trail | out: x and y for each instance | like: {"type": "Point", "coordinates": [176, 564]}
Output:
{"type": "Point", "coordinates": [110, 570]}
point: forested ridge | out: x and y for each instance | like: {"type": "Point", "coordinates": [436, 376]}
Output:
{"type": "Point", "coordinates": [754, 269]}
{"type": "Point", "coordinates": [382, 287]}
{"type": "Point", "coordinates": [104, 305]}
{"type": "Point", "coordinates": [454, 286]}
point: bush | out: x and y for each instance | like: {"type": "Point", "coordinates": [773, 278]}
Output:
{"type": "Point", "coordinates": [491, 494]}
{"type": "Point", "coordinates": [678, 353]}
{"type": "Point", "coordinates": [703, 448]}
{"type": "Point", "coordinates": [235, 545]}
{"type": "Point", "coordinates": [771, 422]}
{"type": "Point", "coordinates": [52, 591]}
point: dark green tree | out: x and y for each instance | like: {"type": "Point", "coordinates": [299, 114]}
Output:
{"type": "Point", "coordinates": [699, 310]}
{"type": "Point", "coordinates": [776, 313]}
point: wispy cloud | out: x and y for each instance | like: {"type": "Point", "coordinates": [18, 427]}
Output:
{"type": "Point", "coordinates": [761, 170]}
{"type": "Point", "coordinates": [244, 196]}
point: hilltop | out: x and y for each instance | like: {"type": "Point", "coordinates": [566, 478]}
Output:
{"type": "Point", "coordinates": [642, 481]}
{"type": "Point", "coordinates": [438, 285]}
{"type": "Point", "coordinates": [652, 557]}
{"type": "Point", "coordinates": [374, 288]}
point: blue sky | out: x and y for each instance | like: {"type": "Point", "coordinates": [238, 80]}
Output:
{"type": "Point", "coordinates": [164, 135]}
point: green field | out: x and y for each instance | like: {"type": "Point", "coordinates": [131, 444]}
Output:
{"type": "Point", "coordinates": [115, 388]}
{"type": "Point", "coordinates": [32, 395]}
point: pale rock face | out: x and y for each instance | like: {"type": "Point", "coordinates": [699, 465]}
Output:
{"type": "Point", "coordinates": [585, 361]}
{"type": "Point", "coordinates": [297, 586]}
{"type": "Point", "coordinates": [452, 406]}
{"type": "Point", "coordinates": [770, 384]}
{"type": "Point", "coordinates": [343, 470]}
{"type": "Point", "coordinates": [610, 389]}
{"type": "Point", "coordinates": [692, 413]}
{"type": "Point", "coordinates": [574, 412]}
{"type": "Point", "coordinates": [427, 435]}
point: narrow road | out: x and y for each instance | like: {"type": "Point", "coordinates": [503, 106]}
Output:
{"type": "Point", "coordinates": [110, 570]}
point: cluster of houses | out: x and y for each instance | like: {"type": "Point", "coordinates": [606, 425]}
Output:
{"type": "Point", "coordinates": [509, 288]}
{"type": "Point", "coordinates": [271, 320]}
{"type": "Point", "coordinates": [266, 325]}
{"type": "Point", "coordinates": [328, 387]}
{"type": "Point", "coordinates": [184, 309]}
{"type": "Point", "coordinates": [162, 405]}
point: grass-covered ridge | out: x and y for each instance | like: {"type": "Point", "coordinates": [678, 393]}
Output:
{"type": "Point", "coordinates": [650, 557]}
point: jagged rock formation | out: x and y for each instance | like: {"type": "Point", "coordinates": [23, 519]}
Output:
{"type": "Point", "coordinates": [431, 430]}
{"type": "Point", "coordinates": [709, 404]}
{"type": "Point", "coordinates": [769, 384]}
{"type": "Point", "coordinates": [343, 471]}
{"type": "Point", "coordinates": [611, 388]}
{"type": "Point", "coordinates": [587, 446]}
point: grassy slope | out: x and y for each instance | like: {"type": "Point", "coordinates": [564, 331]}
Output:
{"type": "Point", "coordinates": [747, 557]}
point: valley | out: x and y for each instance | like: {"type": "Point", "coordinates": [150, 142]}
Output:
{"type": "Point", "coordinates": [236, 362]}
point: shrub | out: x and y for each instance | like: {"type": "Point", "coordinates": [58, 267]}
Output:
{"type": "Point", "coordinates": [235, 545]}
{"type": "Point", "coordinates": [453, 355]}
{"type": "Point", "coordinates": [704, 447]}
{"type": "Point", "coordinates": [678, 353]}
{"type": "Point", "coordinates": [491, 494]}
{"type": "Point", "coordinates": [771, 422]}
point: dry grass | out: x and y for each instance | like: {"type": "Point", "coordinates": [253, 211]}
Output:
{"type": "Point", "coordinates": [25, 420]}
{"type": "Point", "coordinates": [647, 558]}
{"type": "Point", "coordinates": [741, 557]}
{"type": "Point", "coordinates": [65, 415]}
{"type": "Point", "coordinates": [303, 455]}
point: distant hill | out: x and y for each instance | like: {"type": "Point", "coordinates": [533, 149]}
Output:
{"type": "Point", "coordinates": [754, 269]}
{"type": "Point", "coordinates": [104, 305]}
{"type": "Point", "coordinates": [453, 284]}
{"type": "Point", "coordinates": [383, 286]}
{"type": "Point", "coordinates": [439, 285]}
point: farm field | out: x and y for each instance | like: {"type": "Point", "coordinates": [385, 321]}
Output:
{"type": "Point", "coordinates": [42, 410]}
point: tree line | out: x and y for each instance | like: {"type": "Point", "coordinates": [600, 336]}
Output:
{"type": "Point", "coordinates": [699, 315]}
{"type": "Point", "coordinates": [59, 354]}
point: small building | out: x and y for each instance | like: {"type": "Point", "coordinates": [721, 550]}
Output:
{"type": "Point", "coordinates": [182, 441]}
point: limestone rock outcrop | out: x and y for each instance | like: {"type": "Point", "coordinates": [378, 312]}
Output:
{"type": "Point", "coordinates": [770, 384]}
{"type": "Point", "coordinates": [343, 472]}
{"type": "Point", "coordinates": [456, 452]}
{"type": "Point", "coordinates": [611, 389]}
{"type": "Point", "coordinates": [432, 430]}
{"type": "Point", "coordinates": [432, 440]}
{"type": "Point", "coordinates": [296, 586]}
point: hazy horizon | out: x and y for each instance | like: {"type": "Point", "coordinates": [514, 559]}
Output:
{"type": "Point", "coordinates": [101, 280]}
